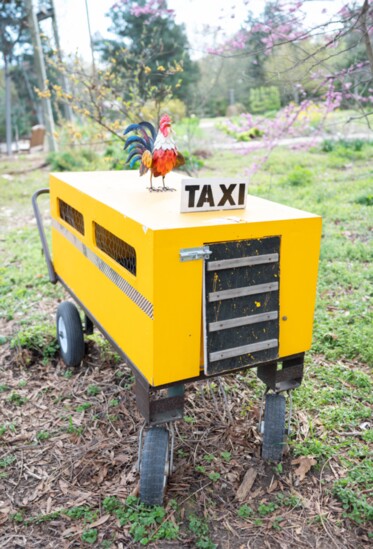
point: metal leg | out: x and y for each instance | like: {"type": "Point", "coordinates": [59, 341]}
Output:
{"type": "Point", "coordinates": [88, 325]}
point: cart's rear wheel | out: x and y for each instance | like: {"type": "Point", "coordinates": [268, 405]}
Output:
{"type": "Point", "coordinates": [70, 334]}
{"type": "Point", "coordinates": [154, 467]}
{"type": "Point", "coordinates": [274, 427]}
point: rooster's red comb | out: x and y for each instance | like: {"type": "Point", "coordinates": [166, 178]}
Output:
{"type": "Point", "coordinates": [165, 120]}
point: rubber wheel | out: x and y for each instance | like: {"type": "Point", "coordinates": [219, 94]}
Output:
{"type": "Point", "coordinates": [154, 466]}
{"type": "Point", "coordinates": [274, 427]}
{"type": "Point", "coordinates": [70, 334]}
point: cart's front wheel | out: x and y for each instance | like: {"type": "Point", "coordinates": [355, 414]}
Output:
{"type": "Point", "coordinates": [70, 334]}
{"type": "Point", "coordinates": [274, 427]}
{"type": "Point", "coordinates": [154, 467]}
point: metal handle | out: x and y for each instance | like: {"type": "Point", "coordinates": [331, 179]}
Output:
{"type": "Point", "coordinates": [52, 273]}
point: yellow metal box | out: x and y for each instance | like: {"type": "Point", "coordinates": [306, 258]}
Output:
{"type": "Point", "coordinates": [183, 293]}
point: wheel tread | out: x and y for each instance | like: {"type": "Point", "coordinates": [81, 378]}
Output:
{"type": "Point", "coordinates": [274, 427]}
{"type": "Point", "coordinates": [76, 348]}
{"type": "Point", "coordinates": [152, 469]}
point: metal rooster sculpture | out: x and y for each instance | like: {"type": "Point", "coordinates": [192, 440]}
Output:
{"type": "Point", "coordinates": [157, 151]}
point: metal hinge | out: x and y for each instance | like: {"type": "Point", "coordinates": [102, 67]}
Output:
{"type": "Point", "coordinates": [190, 254]}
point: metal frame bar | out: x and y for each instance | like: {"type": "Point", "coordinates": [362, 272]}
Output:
{"type": "Point", "coordinates": [39, 221]}
{"type": "Point", "coordinates": [242, 321]}
{"type": "Point", "coordinates": [242, 262]}
{"type": "Point", "coordinates": [245, 290]}
{"type": "Point", "coordinates": [243, 350]}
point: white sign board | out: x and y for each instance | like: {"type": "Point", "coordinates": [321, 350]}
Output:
{"type": "Point", "coordinates": [207, 194]}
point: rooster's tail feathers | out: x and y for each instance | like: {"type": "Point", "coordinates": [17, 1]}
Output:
{"type": "Point", "coordinates": [134, 155]}
{"type": "Point", "coordinates": [140, 142]}
{"type": "Point", "coordinates": [148, 138]}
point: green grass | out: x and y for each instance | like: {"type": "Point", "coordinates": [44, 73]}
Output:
{"type": "Point", "coordinates": [336, 394]}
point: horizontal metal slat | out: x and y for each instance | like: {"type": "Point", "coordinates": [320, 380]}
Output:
{"type": "Point", "coordinates": [242, 262]}
{"type": "Point", "coordinates": [242, 321]}
{"type": "Point", "coordinates": [243, 350]}
{"type": "Point", "coordinates": [246, 290]}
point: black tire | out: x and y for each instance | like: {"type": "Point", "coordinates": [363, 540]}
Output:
{"type": "Point", "coordinates": [70, 334]}
{"type": "Point", "coordinates": [274, 427]}
{"type": "Point", "coordinates": [154, 466]}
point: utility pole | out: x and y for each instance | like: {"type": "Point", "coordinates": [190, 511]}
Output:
{"type": "Point", "coordinates": [41, 72]}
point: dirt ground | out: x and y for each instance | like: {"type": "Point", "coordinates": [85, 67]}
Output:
{"type": "Point", "coordinates": [89, 454]}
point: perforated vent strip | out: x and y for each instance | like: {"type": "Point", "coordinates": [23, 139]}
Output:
{"type": "Point", "coordinates": [119, 250]}
{"type": "Point", "coordinates": [71, 216]}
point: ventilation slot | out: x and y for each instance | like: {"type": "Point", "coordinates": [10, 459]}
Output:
{"type": "Point", "coordinates": [71, 216]}
{"type": "Point", "coordinates": [117, 249]}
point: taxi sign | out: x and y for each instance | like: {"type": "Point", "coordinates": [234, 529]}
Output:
{"type": "Point", "coordinates": [207, 194]}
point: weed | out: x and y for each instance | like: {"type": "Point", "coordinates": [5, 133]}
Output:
{"type": "Point", "coordinates": [44, 518]}
{"type": "Point", "coordinates": [72, 429]}
{"type": "Point", "coordinates": [357, 506]}
{"type": "Point", "coordinates": [200, 468]}
{"type": "Point", "coordinates": [22, 383]}
{"type": "Point", "coordinates": [214, 476]}
{"type": "Point", "coordinates": [7, 427]}
{"type": "Point", "coordinates": [265, 509]}
{"type": "Point", "coordinates": [314, 447]}
{"type": "Point", "coordinates": [209, 458]}
{"type": "Point", "coordinates": [189, 419]}
{"type": "Point", "coordinates": [43, 435]}
{"type": "Point", "coordinates": [365, 200]}
{"type": "Point", "coordinates": [276, 523]}
{"type": "Point", "coordinates": [226, 456]}
{"type": "Point", "coordinates": [114, 402]}
{"type": "Point", "coordinates": [6, 461]}
{"type": "Point", "coordinates": [146, 523]}
{"type": "Point", "coordinates": [82, 512]}
{"type": "Point", "coordinates": [299, 176]}
{"type": "Point", "coordinates": [111, 503]}
{"type": "Point", "coordinates": [3, 388]}
{"type": "Point", "coordinates": [93, 390]}
{"type": "Point", "coordinates": [201, 531]}
{"type": "Point", "coordinates": [68, 374]}
{"type": "Point", "coordinates": [245, 511]}
{"type": "Point", "coordinates": [16, 399]}
{"type": "Point", "coordinates": [18, 517]}
{"type": "Point", "coordinates": [292, 501]}
{"type": "Point", "coordinates": [83, 407]}
{"type": "Point", "coordinates": [38, 338]}
{"type": "Point", "coordinates": [90, 535]}
{"type": "Point", "coordinates": [367, 436]}
{"type": "Point", "coordinates": [278, 468]}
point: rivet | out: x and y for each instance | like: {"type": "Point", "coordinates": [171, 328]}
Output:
{"type": "Point", "coordinates": [284, 318]}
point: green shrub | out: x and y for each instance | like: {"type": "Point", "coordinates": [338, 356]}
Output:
{"type": "Point", "coordinates": [298, 177]}
{"type": "Point", "coordinates": [365, 200]}
{"type": "Point", "coordinates": [116, 158]}
{"type": "Point", "coordinates": [327, 145]}
{"type": "Point", "coordinates": [248, 135]}
{"type": "Point", "coordinates": [73, 161]}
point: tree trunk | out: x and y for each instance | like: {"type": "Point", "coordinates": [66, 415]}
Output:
{"type": "Point", "coordinates": [8, 107]}
{"type": "Point", "coordinates": [68, 113]}
{"type": "Point", "coordinates": [366, 37]}
{"type": "Point", "coordinates": [42, 75]}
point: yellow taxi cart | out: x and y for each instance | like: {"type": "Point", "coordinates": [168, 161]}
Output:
{"type": "Point", "coordinates": [182, 296]}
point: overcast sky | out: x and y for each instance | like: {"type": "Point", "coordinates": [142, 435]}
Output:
{"type": "Point", "coordinates": [194, 13]}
